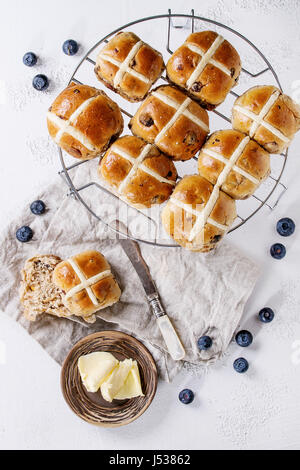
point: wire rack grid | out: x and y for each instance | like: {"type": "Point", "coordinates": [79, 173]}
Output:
{"type": "Point", "coordinates": [78, 191]}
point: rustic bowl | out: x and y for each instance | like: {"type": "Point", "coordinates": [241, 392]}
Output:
{"type": "Point", "coordinates": [91, 407]}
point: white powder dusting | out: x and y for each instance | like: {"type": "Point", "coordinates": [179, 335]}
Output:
{"type": "Point", "coordinates": [286, 322]}
{"type": "Point", "coordinates": [22, 94]}
{"type": "Point", "coordinates": [283, 49]}
{"type": "Point", "coordinates": [252, 404]}
{"type": "Point", "coordinates": [42, 149]}
{"type": "Point", "coordinates": [265, 7]}
{"type": "Point", "coordinates": [221, 11]}
{"type": "Point", "coordinates": [196, 370]}
{"type": "Point", "coordinates": [253, 401]}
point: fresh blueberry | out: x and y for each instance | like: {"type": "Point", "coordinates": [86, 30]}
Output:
{"type": "Point", "coordinates": [40, 82]}
{"type": "Point", "coordinates": [244, 338]}
{"type": "Point", "coordinates": [24, 234]}
{"type": "Point", "coordinates": [37, 207]}
{"type": "Point", "coordinates": [285, 227]}
{"type": "Point", "coordinates": [70, 47]}
{"type": "Point", "coordinates": [186, 396]}
{"type": "Point", "coordinates": [266, 315]}
{"type": "Point", "coordinates": [29, 59]}
{"type": "Point", "coordinates": [241, 365]}
{"type": "Point", "coordinates": [204, 343]}
{"type": "Point", "coordinates": [278, 251]}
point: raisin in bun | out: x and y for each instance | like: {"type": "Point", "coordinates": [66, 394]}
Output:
{"type": "Point", "coordinates": [88, 283]}
{"type": "Point", "coordinates": [238, 161]}
{"type": "Point", "coordinates": [129, 66]}
{"type": "Point", "coordinates": [267, 116]}
{"type": "Point", "coordinates": [198, 214]}
{"type": "Point", "coordinates": [138, 172]}
{"type": "Point", "coordinates": [206, 66]}
{"type": "Point", "coordinates": [176, 124]}
{"type": "Point", "coordinates": [83, 121]}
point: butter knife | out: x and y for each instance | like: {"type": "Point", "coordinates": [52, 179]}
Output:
{"type": "Point", "coordinates": [168, 332]}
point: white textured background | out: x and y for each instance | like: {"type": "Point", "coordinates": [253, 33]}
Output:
{"type": "Point", "coordinates": [258, 410]}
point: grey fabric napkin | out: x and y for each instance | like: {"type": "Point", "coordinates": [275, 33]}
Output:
{"type": "Point", "coordinates": [202, 293]}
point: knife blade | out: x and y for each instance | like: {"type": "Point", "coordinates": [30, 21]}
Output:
{"type": "Point", "coordinates": [132, 250]}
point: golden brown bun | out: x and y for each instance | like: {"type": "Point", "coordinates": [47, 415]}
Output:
{"type": "Point", "coordinates": [104, 292]}
{"type": "Point", "coordinates": [253, 160]}
{"type": "Point", "coordinates": [90, 133]}
{"type": "Point", "coordinates": [196, 192]}
{"type": "Point", "coordinates": [38, 294]}
{"type": "Point", "coordinates": [146, 61]}
{"type": "Point", "coordinates": [212, 85]}
{"type": "Point", "coordinates": [184, 138]}
{"type": "Point", "coordinates": [142, 189]}
{"type": "Point", "coordinates": [284, 116]}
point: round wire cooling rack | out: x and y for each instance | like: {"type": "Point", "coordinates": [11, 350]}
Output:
{"type": "Point", "coordinates": [78, 191]}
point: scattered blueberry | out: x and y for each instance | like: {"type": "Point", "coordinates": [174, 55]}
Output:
{"type": "Point", "coordinates": [204, 343]}
{"type": "Point", "coordinates": [278, 251]}
{"type": "Point", "coordinates": [70, 47]}
{"type": "Point", "coordinates": [285, 227]}
{"type": "Point", "coordinates": [29, 59]}
{"type": "Point", "coordinates": [24, 234]}
{"type": "Point", "coordinates": [241, 365]}
{"type": "Point", "coordinates": [37, 207]}
{"type": "Point", "coordinates": [244, 338]}
{"type": "Point", "coordinates": [266, 315]}
{"type": "Point", "coordinates": [40, 82]}
{"type": "Point", "coordinates": [186, 396]}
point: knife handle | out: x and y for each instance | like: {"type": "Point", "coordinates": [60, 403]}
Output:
{"type": "Point", "coordinates": [170, 336]}
{"type": "Point", "coordinates": [168, 332]}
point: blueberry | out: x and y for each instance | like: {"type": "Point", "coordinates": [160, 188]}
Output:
{"type": "Point", "coordinates": [29, 59]}
{"type": "Point", "coordinates": [37, 207]}
{"type": "Point", "coordinates": [285, 227]}
{"type": "Point", "coordinates": [24, 234]}
{"type": "Point", "coordinates": [241, 365]}
{"type": "Point", "coordinates": [204, 343]}
{"type": "Point", "coordinates": [186, 396]}
{"type": "Point", "coordinates": [266, 315]}
{"type": "Point", "coordinates": [278, 251]}
{"type": "Point", "coordinates": [70, 47]}
{"type": "Point", "coordinates": [40, 82]}
{"type": "Point", "coordinates": [244, 338]}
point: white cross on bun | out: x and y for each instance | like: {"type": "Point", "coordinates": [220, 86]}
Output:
{"type": "Point", "coordinates": [87, 282]}
{"type": "Point", "coordinates": [198, 214]}
{"type": "Point", "coordinates": [175, 123]}
{"type": "Point", "coordinates": [138, 172]}
{"type": "Point", "coordinates": [267, 116]}
{"type": "Point", "coordinates": [83, 121]}
{"type": "Point", "coordinates": [245, 162]}
{"type": "Point", "coordinates": [206, 66]}
{"type": "Point", "coordinates": [129, 66]}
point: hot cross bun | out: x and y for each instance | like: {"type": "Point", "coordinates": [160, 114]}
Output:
{"type": "Point", "coordinates": [83, 121]}
{"type": "Point", "coordinates": [129, 66]}
{"type": "Point", "coordinates": [268, 116]}
{"type": "Point", "coordinates": [206, 66]}
{"type": "Point", "coordinates": [198, 214]}
{"type": "Point", "coordinates": [238, 162]}
{"type": "Point", "coordinates": [88, 283]}
{"type": "Point", "coordinates": [138, 172]}
{"type": "Point", "coordinates": [176, 124]}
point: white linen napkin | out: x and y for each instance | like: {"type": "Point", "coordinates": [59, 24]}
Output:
{"type": "Point", "coordinates": [202, 293]}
